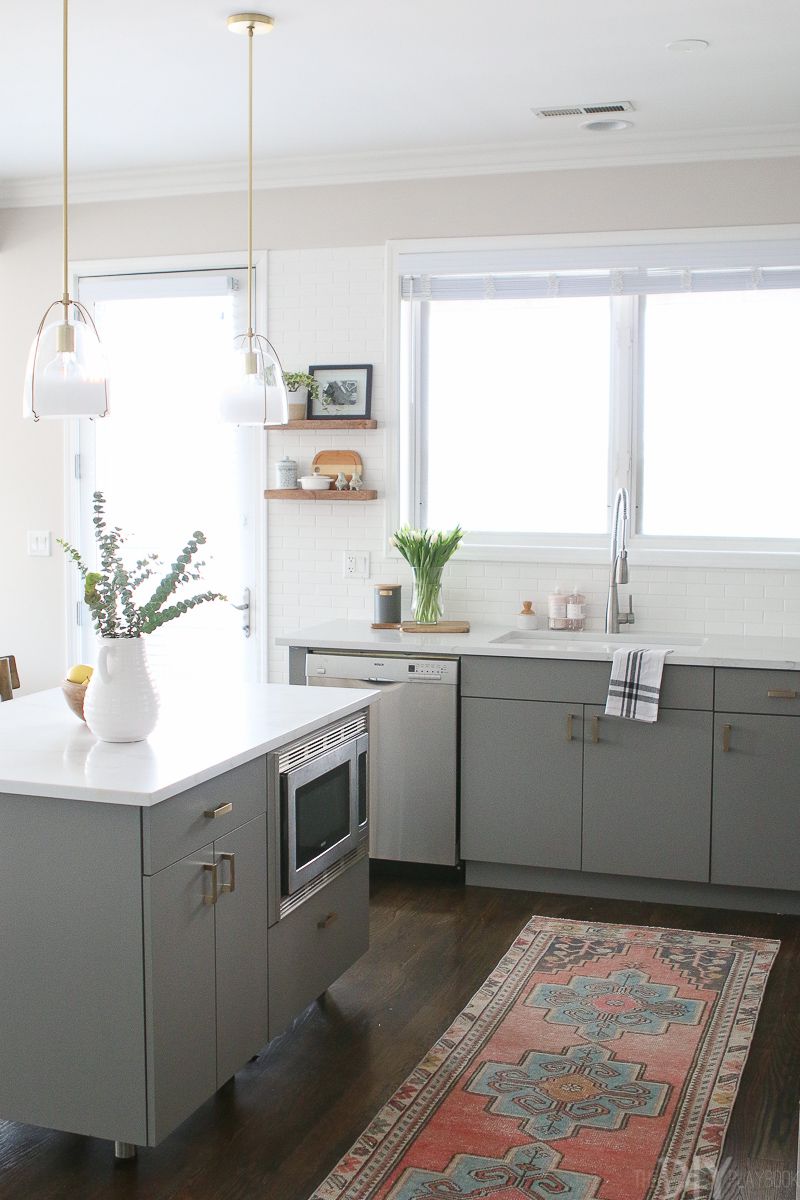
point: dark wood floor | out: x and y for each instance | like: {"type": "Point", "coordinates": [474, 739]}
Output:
{"type": "Point", "coordinates": [276, 1131]}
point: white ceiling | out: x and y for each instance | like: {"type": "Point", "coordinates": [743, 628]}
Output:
{"type": "Point", "coordinates": [364, 88]}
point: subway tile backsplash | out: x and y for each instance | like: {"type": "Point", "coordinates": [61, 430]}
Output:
{"type": "Point", "coordinates": [327, 306]}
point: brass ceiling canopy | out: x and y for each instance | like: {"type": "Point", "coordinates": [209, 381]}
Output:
{"type": "Point", "coordinates": [245, 22]}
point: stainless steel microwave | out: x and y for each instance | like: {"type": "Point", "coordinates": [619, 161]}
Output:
{"type": "Point", "coordinates": [324, 811]}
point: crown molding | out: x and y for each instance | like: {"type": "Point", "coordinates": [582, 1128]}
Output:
{"type": "Point", "coordinates": [598, 150]}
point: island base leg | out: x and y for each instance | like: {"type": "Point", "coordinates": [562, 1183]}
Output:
{"type": "Point", "coordinates": [123, 1150]}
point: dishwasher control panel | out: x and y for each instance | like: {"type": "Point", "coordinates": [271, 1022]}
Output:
{"type": "Point", "coordinates": [426, 670]}
{"type": "Point", "coordinates": [389, 668]}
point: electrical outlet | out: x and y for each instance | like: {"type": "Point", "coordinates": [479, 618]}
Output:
{"type": "Point", "coordinates": [38, 543]}
{"type": "Point", "coordinates": [356, 564]}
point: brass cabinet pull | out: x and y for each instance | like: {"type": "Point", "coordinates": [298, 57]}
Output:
{"type": "Point", "coordinates": [726, 737]}
{"type": "Point", "coordinates": [230, 859]}
{"type": "Point", "coordinates": [595, 730]}
{"type": "Point", "coordinates": [781, 694]}
{"type": "Point", "coordinates": [326, 922]}
{"type": "Point", "coordinates": [221, 810]}
{"type": "Point", "coordinates": [570, 720]}
{"type": "Point", "coordinates": [212, 896]}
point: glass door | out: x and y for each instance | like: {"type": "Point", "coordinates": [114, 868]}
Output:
{"type": "Point", "coordinates": [168, 467]}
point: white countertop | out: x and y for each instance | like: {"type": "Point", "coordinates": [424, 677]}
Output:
{"type": "Point", "coordinates": [783, 653]}
{"type": "Point", "coordinates": [46, 751]}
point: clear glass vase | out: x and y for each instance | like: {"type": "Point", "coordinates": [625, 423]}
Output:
{"type": "Point", "coordinates": [426, 597]}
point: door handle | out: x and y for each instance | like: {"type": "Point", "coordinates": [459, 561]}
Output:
{"type": "Point", "coordinates": [221, 810]}
{"type": "Point", "coordinates": [726, 737]}
{"type": "Point", "coordinates": [212, 896]}
{"type": "Point", "coordinates": [230, 859]}
{"type": "Point", "coordinates": [244, 608]}
{"type": "Point", "coordinates": [570, 721]}
{"type": "Point", "coordinates": [326, 922]}
{"type": "Point", "coordinates": [595, 730]}
{"type": "Point", "coordinates": [781, 694]}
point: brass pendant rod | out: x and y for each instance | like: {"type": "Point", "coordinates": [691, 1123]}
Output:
{"type": "Point", "coordinates": [65, 163]}
{"type": "Point", "coordinates": [249, 186]}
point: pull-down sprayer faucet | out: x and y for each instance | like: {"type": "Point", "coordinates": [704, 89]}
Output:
{"type": "Point", "coordinates": [619, 564]}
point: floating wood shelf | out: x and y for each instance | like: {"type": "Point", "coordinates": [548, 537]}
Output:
{"type": "Point", "coordinates": [331, 494]}
{"type": "Point", "coordinates": [331, 426]}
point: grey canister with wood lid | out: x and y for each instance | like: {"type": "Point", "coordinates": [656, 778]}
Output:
{"type": "Point", "coordinates": [387, 604]}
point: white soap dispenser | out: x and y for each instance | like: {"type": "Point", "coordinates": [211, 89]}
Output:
{"type": "Point", "coordinates": [557, 610]}
{"type": "Point", "coordinates": [576, 610]}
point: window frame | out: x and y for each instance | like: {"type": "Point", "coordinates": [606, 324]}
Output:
{"type": "Point", "coordinates": [764, 245]}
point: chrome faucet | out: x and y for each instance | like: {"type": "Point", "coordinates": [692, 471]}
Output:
{"type": "Point", "coordinates": [619, 565]}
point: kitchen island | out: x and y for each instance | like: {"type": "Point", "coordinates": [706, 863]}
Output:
{"type": "Point", "coordinates": [140, 902]}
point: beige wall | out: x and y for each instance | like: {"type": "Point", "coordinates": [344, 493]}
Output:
{"type": "Point", "coordinates": [32, 619]}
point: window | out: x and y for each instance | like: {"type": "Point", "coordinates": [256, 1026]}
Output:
{"type": "Point", "coordinates": [721, 414]}
{"type": "Point", "coordinates": [507, 373]}
{"type": "Point", "coordinates": [534, 394]}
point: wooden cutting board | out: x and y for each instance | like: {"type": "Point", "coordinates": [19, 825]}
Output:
{"type": "Point", "coordinates": [439, 627]}
{"type": "Point", "coordinates": [331, 462]}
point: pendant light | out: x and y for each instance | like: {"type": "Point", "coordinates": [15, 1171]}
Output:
{"type": "Point", "coordinates": [66, 374]}
{"type": "Point", "coordinates": [258, 394]}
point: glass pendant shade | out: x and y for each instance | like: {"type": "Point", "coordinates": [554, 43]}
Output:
{"type": "Point", "coordinates": [257, 394]}
{"type": "Point", "coordinates": [66, 372]}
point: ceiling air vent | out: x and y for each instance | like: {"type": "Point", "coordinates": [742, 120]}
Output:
{"type": "Point", "coordinates": [585, 110]}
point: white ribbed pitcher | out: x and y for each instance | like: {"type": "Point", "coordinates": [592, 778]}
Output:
{"type": "Point", "coordinates": [121, 700]}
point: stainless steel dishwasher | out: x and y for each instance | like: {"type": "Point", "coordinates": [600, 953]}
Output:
{"type": "Point", "coordinates": [413, 750]}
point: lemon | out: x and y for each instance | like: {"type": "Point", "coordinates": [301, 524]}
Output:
{"type": "Point", "coordinates": [80, 674]}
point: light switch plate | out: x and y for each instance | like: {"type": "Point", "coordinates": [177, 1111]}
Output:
{"type": "Point", "coordinates": [356, 564]}
{"type": "Point", "coordinates": [38, 543]}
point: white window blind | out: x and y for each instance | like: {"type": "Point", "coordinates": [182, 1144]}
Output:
{"type": "Point", "coordinates": [165, 285]}
{"type": "Point", "coordinates": [625, 281]}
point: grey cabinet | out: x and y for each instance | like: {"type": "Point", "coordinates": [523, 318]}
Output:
{"type": "Point", "coordinates": [647, 795]}
{"type": "Point", "coordinates": [312, 946]}
{"type": "Point", "coordinates": [756, 799]}
{"type": "Point", "coordinates": [180, 991]}
{"type": "Point", "coordinates": [549, 781]}
{"type": "Point", "coordinates": [241, 946]}
{"type": "Point", "coordinates": [521, 782]}
{"type": "Point", "coordinates": [205, 971]}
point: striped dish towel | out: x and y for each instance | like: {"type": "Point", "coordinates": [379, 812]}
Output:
{"type": "Point", "coordinates": [635, 684]}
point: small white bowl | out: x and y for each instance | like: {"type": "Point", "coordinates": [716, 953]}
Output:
{"type": "Point", "coordinates": [315, 483]}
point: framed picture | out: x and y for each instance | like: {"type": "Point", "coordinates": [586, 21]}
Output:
{"type": "Point", "coordinates": [345, 393]}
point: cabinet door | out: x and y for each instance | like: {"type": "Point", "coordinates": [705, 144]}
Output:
{"type": "Point", "coordinates": [311, 947]}
{"type": "Point", "coordinates": [241, 927]}
{"type": "Point", "coordinates": [756, 801]}
{"type": "Point", "coordinates": [647, 795]}
{"type": "Point", "coordinates": [180, 991]}
{"type": "Point", "coordinates": [521, 782]}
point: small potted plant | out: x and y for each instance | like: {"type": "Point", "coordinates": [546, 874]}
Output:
{"type": "Point", "coordinates": [300, 386]}
{"type": "Point", "coordinates": [121, 702]}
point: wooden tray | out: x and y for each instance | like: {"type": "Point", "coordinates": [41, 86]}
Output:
{"type": "Point", "coordinates": [439, 627]}
{"type": "Point", "coordinates": [331, 462]}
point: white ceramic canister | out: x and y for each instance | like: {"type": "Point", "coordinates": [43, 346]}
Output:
{"type": "Point", "coordinates": [526, 618]}
{"type": "Point", "coordinates": [286, 473]}
{"type": "Point", "coordinates": [121, 700]}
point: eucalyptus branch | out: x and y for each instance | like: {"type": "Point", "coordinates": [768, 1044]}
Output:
{"type": "Point", "coordinates": [110, 592]}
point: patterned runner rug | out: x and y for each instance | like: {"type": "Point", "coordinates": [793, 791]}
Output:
{"type": "Point", "coordinates": [597, 1062]}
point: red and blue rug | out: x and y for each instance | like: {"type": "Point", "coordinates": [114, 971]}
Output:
{"type": "Point", "coordinates": [597, 1062]}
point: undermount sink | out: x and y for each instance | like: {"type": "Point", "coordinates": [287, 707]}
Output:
{"type": "Point", "coordinates": [594, 641]}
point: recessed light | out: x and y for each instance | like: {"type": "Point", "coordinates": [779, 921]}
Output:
{"type": "Point", "coordinates": [687, 46]}
{"type": "Point", "coordinates": [606, 126]}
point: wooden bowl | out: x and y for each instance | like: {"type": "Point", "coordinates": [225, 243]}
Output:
{"type": "Point", "coordinates": [75, 694]}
